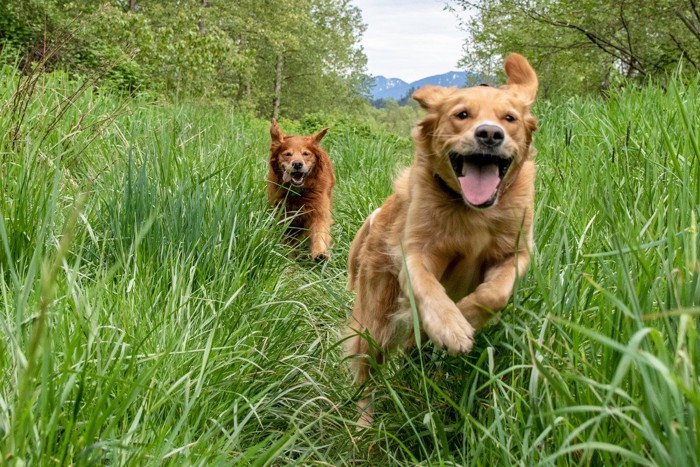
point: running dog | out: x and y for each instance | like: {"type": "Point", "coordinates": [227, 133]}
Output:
{"type": "Point", "coordinates": [457, 231]}
{"type": "Point", "coordinates": [300, 182]}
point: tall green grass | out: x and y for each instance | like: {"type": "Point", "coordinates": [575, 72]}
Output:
{"type": "Point", "coordinates": [150, 313]}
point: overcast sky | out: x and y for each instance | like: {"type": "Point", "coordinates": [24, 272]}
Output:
{"type": "Point", "coordinates": [410, 39]}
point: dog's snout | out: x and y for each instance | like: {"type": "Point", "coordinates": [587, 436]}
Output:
{"type": "Point", "coordinates": [297, 165]}
{"type": "Point", "coordinates": [489, 135]}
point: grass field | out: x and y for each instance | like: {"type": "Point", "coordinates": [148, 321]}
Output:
{"type": "Point", "coordinates": [150, 315]}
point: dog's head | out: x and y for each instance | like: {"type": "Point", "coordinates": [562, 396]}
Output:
{"type": "Point", "coordinates": [294, 158]}
{"type": "Point", "coordinates": [476, 139]}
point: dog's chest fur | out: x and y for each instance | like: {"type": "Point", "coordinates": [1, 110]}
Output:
{"type": "Point", "coordinates": [471, 239]}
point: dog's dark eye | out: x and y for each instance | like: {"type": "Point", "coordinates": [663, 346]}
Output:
{"type": "Point", "coordinates": [463, 115]}
{"type": "Point", "coordinates": [306, 154]}
{"type": "Point", "coordinates": [510, 118]}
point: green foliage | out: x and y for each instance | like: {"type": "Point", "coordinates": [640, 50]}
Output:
{"type": "Point", "coordinates": [584, 46]}
{"type": "Point", "coordinates": [317, 43]}
{"type": "Point", "coordinates": [395, 118]}
{"type": "Point", "coordinates": [213, 50]}
{"type": "Point", "coordinates": [22, 23]}
{"type": "Point", "coordinates": [151, 314]}
{"type": "Point", "coordinates": [343, 124]}
{"type": "Point", "coordinates": [108, 41]}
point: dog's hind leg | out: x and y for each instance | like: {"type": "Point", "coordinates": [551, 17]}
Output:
{"type": "Point", "coordinates": [371, 331]}
{"type": "Point", "coordinates": [354, 255]}
{"type": "Point", "coordinates": [357, 347]}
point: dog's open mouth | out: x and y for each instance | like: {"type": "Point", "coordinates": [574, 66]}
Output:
{"type": "Point", "coordinates": [479, 176]}
{"type": "Point", "coordinates": [296, 178]}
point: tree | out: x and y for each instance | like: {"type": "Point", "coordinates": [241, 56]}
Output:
{"type": "Point", "coordinates": [306, 54]}
{"type": "Point", "coordinates": [581, 46]}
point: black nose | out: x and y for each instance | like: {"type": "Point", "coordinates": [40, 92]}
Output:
{"type": "Point", "coordinates": [297, 165]}
{"type": "Point", "coordinates": [489, 135]}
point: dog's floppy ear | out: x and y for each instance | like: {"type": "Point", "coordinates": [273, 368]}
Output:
{"type": "Point", "coordinates": [276, 133]}
{"type": "Point", "coordinates": [430, 96]}
{"type": "Point", "coordinates": [521, 76]}
{"type": "Point", "coordinates": [319, 136]}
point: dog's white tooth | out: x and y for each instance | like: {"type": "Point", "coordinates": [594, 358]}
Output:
{"type": "Point", "coordinates": [464, 168]}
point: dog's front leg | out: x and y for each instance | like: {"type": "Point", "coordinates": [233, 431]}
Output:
{"type": "Point", "coordinates": [440, 317]}
{"type": "Point", "coordinates": [492, 295]}
{"type": "Point", "coordinates": [320, 235]}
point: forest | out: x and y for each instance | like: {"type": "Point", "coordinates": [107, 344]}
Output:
{"type": "Point", "coordinates": [290, 57]}
{"type": "Point", "coordinates": [293, 58]}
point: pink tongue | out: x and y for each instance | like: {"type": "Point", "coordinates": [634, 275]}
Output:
{"type": "Point", "coordinates": [479, 182]}
{"type": "Point", "coordinates": [286, 177]}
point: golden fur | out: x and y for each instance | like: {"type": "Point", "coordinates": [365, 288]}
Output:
{"type": "Point", "coordinates": [460, 260]}
{"type": "Point", "coordinates": [300, 181]}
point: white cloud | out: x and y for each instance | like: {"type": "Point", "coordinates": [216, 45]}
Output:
{"type": "Point", "coordinates": [410, 39]}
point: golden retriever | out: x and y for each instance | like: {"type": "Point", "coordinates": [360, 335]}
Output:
{"type": "Point", "coordinates": [300, 181]}
{"type": "Point", "coordinates": [456, 232]}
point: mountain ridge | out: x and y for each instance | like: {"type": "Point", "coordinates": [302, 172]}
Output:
{"type": "Point", "coordinates": [398, 89]}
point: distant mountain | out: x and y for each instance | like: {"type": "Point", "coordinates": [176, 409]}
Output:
{"type": "Point", "coordinates": [383, 88]}
{"type": "Point", "coordinates": [395, 88]}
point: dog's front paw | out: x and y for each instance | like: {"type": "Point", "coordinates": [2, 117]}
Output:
{"type": "Point", "coordinates": [450, 331]}
{"type": "Point", "coordinates": [321, 257]}
{"type": "Point", "coordinates": [476, 315]}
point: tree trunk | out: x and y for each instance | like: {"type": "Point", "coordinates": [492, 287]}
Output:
{"type": "Point", "coordinates": [278, 88]}
{"type": "Point", "coordinates": [200, 23]}
{"type": "Point", "coordinates": [132, 5]}
{"type": "Point", "coordinates": [244, 91]}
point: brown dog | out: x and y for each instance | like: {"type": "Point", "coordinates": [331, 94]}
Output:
{"type": "Point", "coordinates": [300, 178]}
{"type": "Point", "coordinates": [457, 231]}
